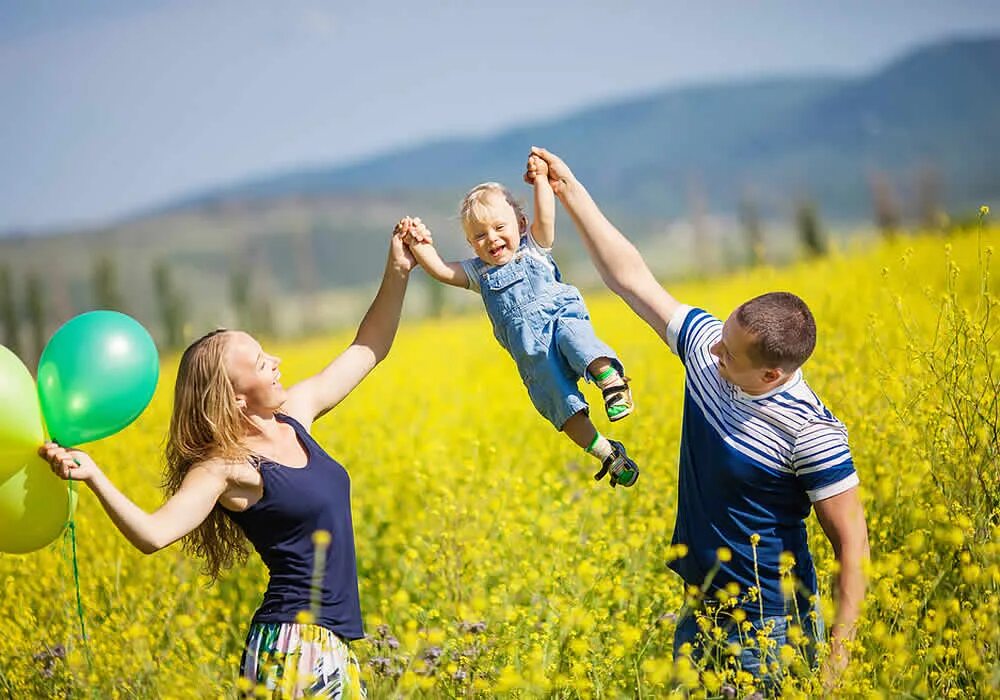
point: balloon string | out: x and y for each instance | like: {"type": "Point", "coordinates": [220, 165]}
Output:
{"type": "Point", "coordinates": [71, 525]}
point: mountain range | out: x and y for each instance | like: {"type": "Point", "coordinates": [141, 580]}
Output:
{"type": "Point", "coordinates": [935, 111]}
{"type": "Point", "coordinates": [924, 126]}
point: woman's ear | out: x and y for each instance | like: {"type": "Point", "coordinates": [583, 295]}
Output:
{"type": "Point", "coordinates": [524, 224]}
{"type": "Point", "coordinates": [241, 403]}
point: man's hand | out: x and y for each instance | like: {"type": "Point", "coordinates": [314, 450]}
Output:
{"type": "Point", "coordinates": [559, 174]}
{"type": "Point", "coordinates": [834, 665]}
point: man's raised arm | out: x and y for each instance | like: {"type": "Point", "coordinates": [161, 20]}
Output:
{"type": "Point", "coordinates": [619, 263]}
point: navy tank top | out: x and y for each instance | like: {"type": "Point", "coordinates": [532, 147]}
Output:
{"type": "Point", "coordinates": [280, 526]}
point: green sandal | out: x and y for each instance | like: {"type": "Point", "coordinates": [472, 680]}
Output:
{"type": "Point", "coordinates": [618, 400]}
{"type": "Point", "coordinates": [623, 469]}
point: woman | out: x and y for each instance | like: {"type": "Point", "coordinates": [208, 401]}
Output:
{"type": "Point", "coordinates": [241, 465]}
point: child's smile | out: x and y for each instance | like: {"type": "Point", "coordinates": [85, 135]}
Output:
{"type": "Point", "coordinates": [497, 250]}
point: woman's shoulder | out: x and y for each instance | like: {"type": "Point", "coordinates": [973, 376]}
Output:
{"type": "Point", "coordinates": [218, 466]}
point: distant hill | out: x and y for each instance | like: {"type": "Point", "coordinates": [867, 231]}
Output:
{"type": "Point", "coordinates": [306, 241]}
{"type": "Point", "coordinates": [935, 109]}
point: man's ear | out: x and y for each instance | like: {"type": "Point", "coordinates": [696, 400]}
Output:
{"type": "Point", "coordinates": [772, 375]}
{"type": "Point", "coordinates": [524, 223]}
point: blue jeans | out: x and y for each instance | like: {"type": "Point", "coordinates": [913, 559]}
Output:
{"type": "Point", "coordinates": [545, 326]}
{"type": "Point", "coordinates": [750, 656]}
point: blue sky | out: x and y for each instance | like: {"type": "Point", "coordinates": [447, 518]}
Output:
{"type": "Point", "coordinates": [112, 106]}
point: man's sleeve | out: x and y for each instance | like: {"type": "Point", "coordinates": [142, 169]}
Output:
{"type": "Point", "coordinates": [691, 332]}
{"type": "Point", "coordinates": [822, 460]}
{"type": "Point", "coordinates": [469, 267]}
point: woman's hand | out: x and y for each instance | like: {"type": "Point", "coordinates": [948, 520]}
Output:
{"type": "Point", "coordinates": [400, 257]}
{"type": "Point", "coordinates": [69, 464]}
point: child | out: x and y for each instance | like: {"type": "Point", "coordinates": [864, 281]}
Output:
{"type": "Point", "coordinates": [538, 319]}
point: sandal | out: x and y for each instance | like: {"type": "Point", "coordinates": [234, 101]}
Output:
{"type": "Point", "coordinates": [623, 470]}
{"type": "Point", "coordinates": [618, 400]}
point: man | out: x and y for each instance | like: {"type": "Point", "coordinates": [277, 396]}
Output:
{"type": "Point", "coordinates": [758, 448]}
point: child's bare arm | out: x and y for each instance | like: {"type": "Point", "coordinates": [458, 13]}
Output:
{"type": "Point", "coordinates": [543, 228]}
{"type": "Point", "coordinates": [447, 272]}
{"type": "Point", "coordinates": [418, 238]}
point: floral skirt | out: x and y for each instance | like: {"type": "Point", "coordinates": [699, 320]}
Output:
{"type": "Point", "coordinates": [298, 661]}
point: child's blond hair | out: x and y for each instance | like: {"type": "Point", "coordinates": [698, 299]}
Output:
{"type": "Point", "coordinates": [472, 204]}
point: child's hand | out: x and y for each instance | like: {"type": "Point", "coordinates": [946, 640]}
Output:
{"type": "Point", "coordinates": [418, 233]}
{"type": "Point", "coordinates": [412, 231]}
{"type": "Point", "coordinates": [536, 168]}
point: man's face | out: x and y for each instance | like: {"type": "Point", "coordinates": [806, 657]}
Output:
{"type": "Point", "coordinates": [735, 363]}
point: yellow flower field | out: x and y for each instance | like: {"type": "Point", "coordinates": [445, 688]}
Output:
{"type": "Point", "coordinates": [491, 562]}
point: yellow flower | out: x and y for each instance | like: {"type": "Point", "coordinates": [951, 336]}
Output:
{"type": "Point", "coordinates": [496, 573]}
{"type": "Point", "coordinates": [984, 210]}
{"type": "Point", "coordinates": [321, 538]}
{"type": "Point", "coordinates": [304, 617]}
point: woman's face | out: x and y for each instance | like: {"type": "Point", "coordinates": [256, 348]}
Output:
{"type": "Point", "coordinates": [254, 374]}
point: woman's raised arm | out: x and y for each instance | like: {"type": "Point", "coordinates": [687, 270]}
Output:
{"type": "Point", "coordinates": [312, 397]}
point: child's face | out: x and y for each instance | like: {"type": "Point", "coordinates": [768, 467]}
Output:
{"type": "Point", "coordinates": [494, 231]}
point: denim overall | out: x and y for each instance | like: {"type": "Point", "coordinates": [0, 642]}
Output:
{"type": "Point", "coordinates": [544, 325]}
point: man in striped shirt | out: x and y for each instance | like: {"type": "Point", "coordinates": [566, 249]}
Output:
{"type": "Point", "coordinates": [758, 449]}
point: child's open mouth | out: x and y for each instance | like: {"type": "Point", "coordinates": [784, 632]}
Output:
{"type": "Point", "coordinates": [495, 252]}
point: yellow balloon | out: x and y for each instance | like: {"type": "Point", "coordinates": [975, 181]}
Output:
{"type": "Point", "coordinates": [35, 506]}
{"type": "Point", "coordinates": [21, 430]}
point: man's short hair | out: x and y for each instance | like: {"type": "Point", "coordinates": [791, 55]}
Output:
{"type": "Point", "coordinates": [783, 327]}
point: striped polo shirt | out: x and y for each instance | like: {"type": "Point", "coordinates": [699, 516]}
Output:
{"type": "Point", "coordinates": [750, 464]}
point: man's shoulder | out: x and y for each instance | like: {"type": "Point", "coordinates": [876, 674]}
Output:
{"type": "Point", "coordinates": [690, 326]}
{"type": "Point", "coordinates": [796, 408]}
{"type": "Point", "coordinates": [803, 395]}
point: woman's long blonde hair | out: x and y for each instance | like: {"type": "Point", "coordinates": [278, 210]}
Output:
{"type": "Point", "coordinates": [206, 423]}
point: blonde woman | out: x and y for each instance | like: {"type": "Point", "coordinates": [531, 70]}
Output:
{"type": "Point", "coordinates": [242, 469]}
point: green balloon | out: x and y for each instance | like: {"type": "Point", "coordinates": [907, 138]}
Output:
{"type": "Point", "coordinates": [96, 375]}
{"type": "Point", "coordinates": [21, 431]}
{"type": "Point", "coordinates": [35, 506]}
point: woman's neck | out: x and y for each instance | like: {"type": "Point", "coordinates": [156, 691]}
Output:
{"type": "Point", "coordinates": [263, 427]}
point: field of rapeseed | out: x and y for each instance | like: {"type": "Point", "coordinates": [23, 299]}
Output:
{"type": "Point", "coordinates": [489, 559]}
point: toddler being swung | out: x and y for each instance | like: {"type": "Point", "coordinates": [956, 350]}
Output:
{"type": "Point", "coordinates": [540, 320]}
